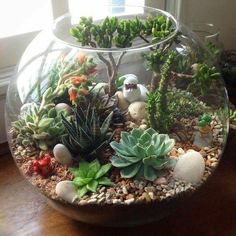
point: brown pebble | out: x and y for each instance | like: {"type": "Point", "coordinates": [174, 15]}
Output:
{"type": "Point", "coordinates": [129, 196]}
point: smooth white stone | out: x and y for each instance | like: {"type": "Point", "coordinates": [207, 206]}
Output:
{"type": "Point", "coordinates": [190, 167]}
{"type": "Point", "coordinates": [67, 191]}
{"type": "Point", "coordinates": [63, 106]}
{"type": "Point", "coordinates": [144, 92]}
{"type": "Point", "coordinates": [123, 104]}
{"type": "Point", "coordinates": [62, 154]}
{"type": "Point", "coordinates": [137, 111]}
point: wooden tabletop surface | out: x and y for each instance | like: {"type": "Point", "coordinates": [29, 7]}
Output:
{"type": "Point", "coordinates": [211, 211]}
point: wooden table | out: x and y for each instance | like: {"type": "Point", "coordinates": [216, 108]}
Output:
{"type": "Point", "coordinates": [211, 211]}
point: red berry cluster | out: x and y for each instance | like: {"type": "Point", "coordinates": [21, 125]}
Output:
{"type": "Point", "coordinates": [43, 167]}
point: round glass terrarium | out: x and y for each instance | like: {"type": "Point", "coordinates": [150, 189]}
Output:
{"type": "Point", "coordinates": [119, 118]}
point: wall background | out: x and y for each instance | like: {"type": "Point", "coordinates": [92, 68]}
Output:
{"type": "Point", "coordinates": [221, 13]}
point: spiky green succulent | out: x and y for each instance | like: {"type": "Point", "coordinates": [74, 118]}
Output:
{"type": "Point", "coordinates": [41, 131]}
{"type": "Point", "coordinates": [89, 176]}
{"type": "Point", "coordinates": [142, 153]}
{"type": "Point", "coordinates": [85, 135]}
{"type": "Point", "coordinates": [106, 104]}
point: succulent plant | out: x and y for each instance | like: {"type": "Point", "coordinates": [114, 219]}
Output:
{"type": "Point", "coordinates": [203, 79]}
{"type": "Point", "coordinates": [156, 104]}
{"type": "Point", "coordinates": [106, 104]}
{"type": "Point", "coordinates": [142, 153]}
{"type": "Point", "coordinates": [113, 32]}
{"type": "Point", "coordinates": [43, 130]}
{"type": "Point", "coordinates": [232, 115]}
{"type": "Point", "coordinates": [85, 134]}
{"type": "Point", "coordinates": [90, 176]}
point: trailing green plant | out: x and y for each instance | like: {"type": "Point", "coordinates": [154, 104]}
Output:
{"type": "Point", "coordinates": [88, 177]}
{"type": "Point", "coordinates": [156, 104]}
{"type": "Point", "coordinates": [203, 79]}
{"type": "Point", "coordinates": [85, 135]}
{"type": "Point", "coordinates": [142, 153]}
{"type": "Point", "coordinates": [112, 32]}
{"type": "Point", "coordinates": [41, 131]}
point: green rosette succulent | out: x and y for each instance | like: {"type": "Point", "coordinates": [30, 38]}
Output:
{"type": "Point", "coordinates": [142, 153]}
{"type": "Point", "coordinates": [89, 176]}
{"type": "Point", "coordinates": [41, 129]}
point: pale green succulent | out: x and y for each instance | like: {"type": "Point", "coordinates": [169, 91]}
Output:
{"type": "Point", "coordinates": [142, 153]}
{"type": "Point", "coordinates": [43, 129]}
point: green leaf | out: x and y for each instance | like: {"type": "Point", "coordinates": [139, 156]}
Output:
{"type": "Point", "coordinates": [45, 122]}
{"type": "Point", "coordinates": [169, 144]}
{"type": "Point", "coordinates": [139, 151]}
{"type": "Point", "coordinates": [149, 173]}
{"type": "Point", "coordinates": [106, 123]}
{"type": "Point", "coordinates": [42, 145]}
{"type": "Point", "coordinates": [145, 139]}
{"type": "Point", "coordinates": [92, 185]}
{"type": "Point", "coordinates": [151, 131]}
{"type": "Point", "coordinates": [119, 148]}
{"type": "Point", "coordinates": [95, 165]}
{"type": "Point", "coordinates": [119, 162]}
{"type": "Point", "coordinates": [103, 170]}
{"type": "Point", "coordinates": [52, 113]}
{"type": "Point", "coordinates": [82, 191]}
{"type": "Point", "coordinates": [150, 150]}
{"type": "Point", "coordinates": [77, 172]}
{"type": "Point", "coordinates": [125, 138]}
{"type": "Point", "coordinates": [78, 181]}
{"type": "Point", "coordinates": [130, 171]}
{"type": "Point", "coordinates": [29, 119]}
{"type": "Point", "coordinates": [136, 133]}
{"type": "Point", "coordinates": [105, 181]}
{"type": "Point", "coordinates": [160, 149]}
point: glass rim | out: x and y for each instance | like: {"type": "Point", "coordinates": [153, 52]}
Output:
{"type": "Point", "coordinates": [213, 30]}
{"type": "Point", "coordinates": [127, 49]}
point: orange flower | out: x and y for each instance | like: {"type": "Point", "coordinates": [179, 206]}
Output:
{"type": "Point", "coordinates": [72, 94]}
{"type": "Point", "coordinates": [93, 71]}
{"type": "Point", "coordinates": [83, 92]}
{"type": "Point", "coordinates": [76, 80]}
{"type": "Point", "coordinates": [82, 58]}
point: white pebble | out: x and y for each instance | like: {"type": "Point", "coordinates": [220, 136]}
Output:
{"type": "Point", "coordinates": [137, 111]}
{"type": "Point", "coordinates": [190, 167]}
{"type": "Point", "coordinates": [62, 154]}
{"type": "Point", "coordinates": [128, 201]}
{"type": "Point", "coordinates": [67, 191]}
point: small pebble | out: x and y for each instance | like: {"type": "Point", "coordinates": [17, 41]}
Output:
{"type": "Point", "coordinates": [92, 200]}
{"type": "Point", "coordinates": [124, 190]}
{"type": "Point", "coordinates": [128, 201]}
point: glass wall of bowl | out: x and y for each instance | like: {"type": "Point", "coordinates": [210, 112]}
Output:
{"type": "Point", "coordinates": [119, 118]}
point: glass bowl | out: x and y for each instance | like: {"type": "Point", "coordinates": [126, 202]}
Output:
{"type": "Point", "coordinates": [118, 119]}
